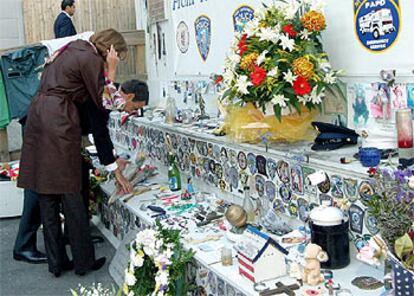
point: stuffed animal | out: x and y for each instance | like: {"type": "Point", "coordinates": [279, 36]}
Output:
{"type": "Point", "coordinates": [314, 255]}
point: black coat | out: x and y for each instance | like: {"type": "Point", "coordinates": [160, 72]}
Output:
{"type": "Point", "coordinates": [63, 26]}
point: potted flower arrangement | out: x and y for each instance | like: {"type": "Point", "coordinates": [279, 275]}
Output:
{"type": "Point", "coordinates": [157, 264]}
{"type": "Point", "coordinates": [277, 63]}
{"type": "Point", "coordinates": [392, 205]}
{"type": "Point", "coordinates": [278, 60]}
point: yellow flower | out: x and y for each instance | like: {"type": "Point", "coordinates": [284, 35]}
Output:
{"type": "Point", "coordinates": [303, 67]}
{"type": "Point", "coordinates": [313, 21]}
{"type": "Point", "coordinates": [141, 253]}
{"type": "Point", "coordinates": [248, 61]}
{"type": "Point", "coordinates": [125, 289]}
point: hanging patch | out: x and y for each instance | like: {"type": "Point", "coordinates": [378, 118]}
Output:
{"type": "Point", "coordinates": [222, 185]}
{"type": "Point", "coordinates": [242, 159]}
{"type": "Point", "coordinates": [325, 186]}
{"type": "Point", "coordinates": [223, 155]}
{"type": "Point", "coordinates": [202, 148]}
{"type": "Point", "coordinates": [285, 193]}
{"type": "Point", "coordinates": [356, 215]}
{"type": "Point", "coordinates": [241, 16]}
{"type": "Point", "coordinates": [218, 170]}
{"type": "Point", "coordinates": [308, 187]}
{"type": "Point", "coordinates": [351, 189]}
{"type": "Point", "coordinates": [202, 27]}
{"type": "Point", "coordinates": [210, 150]}
{"type": "Point", "coordinates": [211, 165]}
{"type": "Point", "coordinates": [234, 178]}
{"type": "Point", "coordinates": [270, 190]}
{"type": "Point", "coordinates": [377, 23]}
{"type": "Point", "coordinates": [271, 168]}
{"type": "Point", "coordinates": [283, 171]}
{"type": "Point", "coordinates": [182, 37]}
{"type": "Point", "coordinates": [337, 187]}
{"type": "Point", "coordinates": [278, 206]}
{"type": "Point", "coordinates": [251, 163]}
{"type": "Point", "coordinates": [366, 191]}
{"type": "Point", "coordinates": [216, 152]}
{"type": "Point", "coordinates": [193, 158]}
{"type": "Point", "coordinates": [261, 164]}
{"type": "Point", "coordinates": [293, 209]}
{"type": "Point", "coordinates": [371, 224]}
{"type": "Point", "coordinates": [244, 178]}
{"type": "Point", "coordinates": [296, 174]}
{"type": "Point", "coordinates": [233, 158]}
{"type": "Point", "coordinates": [303, 209]}
{"type": "Point", "coordinates": [192, 144]}
{"type": "Point", "coordinates": [260, 185]}
{"type": "Point", "coordinates": [134, 143]}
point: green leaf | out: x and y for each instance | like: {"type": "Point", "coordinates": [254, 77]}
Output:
{"type": "Point", "coordinates": [278, 112]}
{"type": "Point", "coordinates": [403, 246]}
{"type": "Point", "coordinates": [73, 292]}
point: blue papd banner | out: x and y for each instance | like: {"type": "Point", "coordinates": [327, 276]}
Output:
{"type": "Point", "coordinates": [377, 23]}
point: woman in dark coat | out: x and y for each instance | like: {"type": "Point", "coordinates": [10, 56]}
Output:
{"type": "Point", "coordinates": [51, 160]}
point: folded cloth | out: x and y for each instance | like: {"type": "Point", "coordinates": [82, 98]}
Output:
{"type": "Point", "coordinates": [332, 137]}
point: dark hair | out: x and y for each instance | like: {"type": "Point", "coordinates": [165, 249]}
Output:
{"type": "Point", "coordinates": [137, 87]}
{"type": "Point", "coordinates": [104, 39]}
{"type": "Point", "coordinates": [66, 3]}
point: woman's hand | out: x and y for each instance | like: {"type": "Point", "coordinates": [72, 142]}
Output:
{"type": "Point", "coordinates": [122, 163]}
{"type": "Point", "coordinates": [112, 61]}
{"type": "Point", "coordinates": [123, 184]}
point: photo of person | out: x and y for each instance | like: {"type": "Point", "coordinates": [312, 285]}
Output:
{"type": "Point", "coordinates": [410, 97]}
{"type": "Point", "coordinates": [359, 113]}
{"type": "Point", "coordinates": [399, 96]}
{"type": "Point", "coordinates": [380, 103]}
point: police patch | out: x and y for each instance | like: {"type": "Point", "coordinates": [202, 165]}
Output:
{"type": "Point", "coordinates": [202, 27]}
{"type": "Point", "coordinates": [377, 23]}
{"type": "Point", "coordinates": [241, 16]}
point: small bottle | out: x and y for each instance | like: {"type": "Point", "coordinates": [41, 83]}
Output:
{"type": "Point", "coordinates": [249, 206]}
{"type": "Point", "coordinates": [174, 178]}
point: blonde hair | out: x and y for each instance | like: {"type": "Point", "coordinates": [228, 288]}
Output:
{"type": "Point", "coordinates": [104, 39]}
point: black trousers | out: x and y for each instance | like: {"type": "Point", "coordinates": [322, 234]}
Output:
{"type": "Point", "coordinates": [77, 223]}
{"type": "Point", "coordinates": [26, 239]}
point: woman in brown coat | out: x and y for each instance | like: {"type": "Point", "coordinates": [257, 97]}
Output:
{"type": "Point", "coordinates": [51, 160]}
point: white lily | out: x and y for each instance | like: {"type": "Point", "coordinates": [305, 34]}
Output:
{"type": "Point", "coordinates": [303, 99]}
{"type": "Point", "coordinates": [330, 78]}
{"type": "Point", "coordinates": [318, 5]}
{"type": "Point", "coordinates": [274, 72]}
{"type": "Point", "coordinates": [286, 42]}
{"type": "Point", "coordinates": [251, 27]}
{"type": "Point", "coordinates": [316, 98]}
{"type": "Point", "coordinates": [279, 100]}
{"type": "Point", "coordinates": [411, 182]}
{"type": "Point", "coordinates": [290, 9]}
{"type": "Point", "coordinates": [304, 34]}
{"type": "Point", "coordinates": [228, 76]}
{"type": "Point", "coordinates": [289, 77]}
{"type": "Point", "coordinates": [268, 34]}
{"type": "Point", "coordinates": [242, 84]}
{"type": "Point", "coordinates": [130, 278]}
{"type": "Point", "coordinates": [260, 59]}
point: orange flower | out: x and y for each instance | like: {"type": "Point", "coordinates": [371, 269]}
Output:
{"type": "Point", "coordinates": [303, 67]}
{"type": "Point", "coordinates": [313, 21]}
{"type": "Point", "coordinates": [248, 61]}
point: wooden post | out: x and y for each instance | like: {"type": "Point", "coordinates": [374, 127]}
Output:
{"type": "Point", "coordinates": [4, 146]}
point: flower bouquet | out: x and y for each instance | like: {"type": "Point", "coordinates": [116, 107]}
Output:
{"type": "Point", "coordinates": [278, 62]}
{"type": "Point", "coordinates": [392, 205]}
{"type": "Point", "coordinates": [157, 264]}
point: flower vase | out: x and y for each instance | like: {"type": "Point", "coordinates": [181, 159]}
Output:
{"type": "Point", "coordinates": [403, 279]}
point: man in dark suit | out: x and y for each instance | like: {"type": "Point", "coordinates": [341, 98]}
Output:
{"type": "Point", "coordinates": [63, 26]}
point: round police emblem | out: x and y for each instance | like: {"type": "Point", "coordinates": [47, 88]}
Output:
{"type": "Point", "coordinates": [377, 23]}
{"type": "Point", "coordinates": [182, 37]}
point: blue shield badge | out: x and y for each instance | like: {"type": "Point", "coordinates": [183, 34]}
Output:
{"type": "Point", "coordinates": [202, 27]}
{"type": "Point", "coordinates": [241, 16]}
{"type": "Point", "coordinates": [377, 23]}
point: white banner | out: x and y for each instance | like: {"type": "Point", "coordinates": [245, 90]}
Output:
{"type": "Point", "coordinates": [203, 31]}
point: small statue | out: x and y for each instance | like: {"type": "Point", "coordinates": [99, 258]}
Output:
{"type": "Point", "coordinates": [190, 187]}
{"type": "Point", "coordinates": [185, 195]}
{"type": "Point", "coordinates": [314, 255]}
{"type": "Point", "coordinates": [202, 105]}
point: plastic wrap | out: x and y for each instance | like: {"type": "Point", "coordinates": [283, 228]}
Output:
{"type": "Point", "coordinates": [249, 124]}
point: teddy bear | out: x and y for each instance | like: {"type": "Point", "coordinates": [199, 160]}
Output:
{"type": "Point", "coordinates": [314, 255]}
